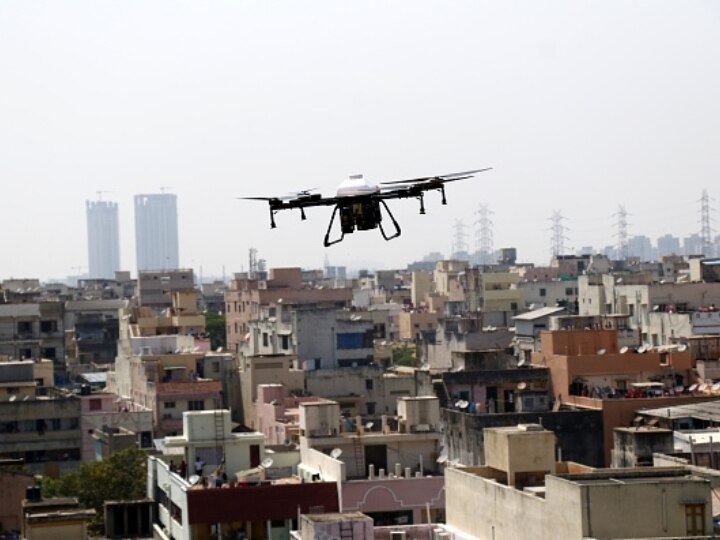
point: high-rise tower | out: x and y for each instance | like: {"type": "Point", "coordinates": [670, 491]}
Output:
{"type": "Point", "coordinates": [102, 239]}
{"type": "Point", "coordinates": [156, 232]}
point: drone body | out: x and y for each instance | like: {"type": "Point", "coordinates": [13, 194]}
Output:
{"type": "Point", "coordinates": [360, 204]}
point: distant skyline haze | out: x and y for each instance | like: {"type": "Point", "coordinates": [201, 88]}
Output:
{"type": "Point", "coordinates": [578, 106]}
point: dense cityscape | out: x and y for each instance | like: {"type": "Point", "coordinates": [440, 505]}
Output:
{"type": "Point", "coordinates": [320, 270]}
{"type": "Point", "coordinates": [434, 401]}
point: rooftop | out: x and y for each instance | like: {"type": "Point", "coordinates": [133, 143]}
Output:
{"type": "Point", "coordinates": [706, 410]}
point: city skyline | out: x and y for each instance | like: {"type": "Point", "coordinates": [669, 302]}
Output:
{"type": "Point", "coordinates": [103, 238]}
{"type": "Point", "coordinates": [157, 245]}
{"type": "Point", "coordinates": [577, 107]}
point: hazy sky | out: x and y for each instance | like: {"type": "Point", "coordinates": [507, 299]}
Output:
{"type": "Point", "coordinates": [578, 106]}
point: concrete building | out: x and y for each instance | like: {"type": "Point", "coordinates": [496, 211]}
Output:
{"type": "Point", "coordinates": [38, 424]}
{"type": "Point", "coordinates": [522, 489]}
{"type": "Point", "coordinates": [157, 288]}
{"type": "Point", "coordinates": [528, 327]}
{"type": "Point", "coordinates": [34, 331]}
{"type": "Point", "coordinates": [589, 371]}
{"type": "Point", "coordinates": [13, 485]}
{"type": "Point", "coordinates": [578, 433]}
{"type": "Point", "coordinates": [248, 503]}
{"type": "Point", "coordinates": [415, 325]}
{"type": "Point", "coordinates": [635, 446]}
{"type": "Point", "coordinates": [56, 518]}
{"type": "Point", "coordinates": [320, 337]}
{"type": "Point", "coordinates": [366, 390]}
{"type": "Point", "coordinates": [95, 327]}
{"type": "Point", "coordinates": [156, 232]}
{"type": "Point", "coordinates": [265, 369]}
{"type": "Point", "coordinates": [278, 414]}
{"type": "Point", "coordinates": [392, 476]}
{"type": "Point", "coordinates": [103, 238]}
{"type": "Point", "coordinates": [104, 411]}
{"type": "Point", "coordinates": [246, 296]}
{"type": "Point", "coordinates": [540, 294]}
{"type": "Point", "coordinates": [668, 245]}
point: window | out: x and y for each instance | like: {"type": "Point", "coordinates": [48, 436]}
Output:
{"type": "Point", "coordinates": [95, 404]}
{"type": "Point", "coordinates": [543, 292]}
{"type": "Point", "coordinates": [48, 352]}
{"type": "Point", "coordinates": [265, 339]}
{"type": "Point", "coordinates": [568, 291]}
{"type": "Point", "coordinates": [196, 405]}
{"type": "Point", "coordinates": [370, 407]}
{"type": "Point", "coordinates": [48, 326]}
{"type": "Point", "coordinates": [55, 424]}
{"type": "Point", "coordinates": [285, 342]}
{"type": "Point", "coordinates": [368, 384]}
{"type": "Point", "coordinates": [513, 306]}
{"type": "Point", "coordinates": [695, 519]}
{"type": "Point", "coordinates": [24, 327]}
{"type": "Point", "coordinates": [169, 404]}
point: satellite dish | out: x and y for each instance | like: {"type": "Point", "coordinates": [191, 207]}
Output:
{"type": "Point", "coordinates": [682, 347]}
{"type": "Point", "coordinates": [266, 463]}
{"type": "Point", "coordinates": [522, 386]}
{"type": "Point", "coordinates": [656, 307]}
{"type": "Point", "coordinates": [693, 388]}
{"type": "Point", "coordinates": [624, 350]}
{"type": "Point", "coordinates": [194, 479]}
{"type": "Point", "coordinates": [219, 349]}
{"type": "Point", "coordinates": [531, 307]}
{"type": "Point", "coordinates": [336, 452]}
{"type": "Point", "coordinates": [442, 459]}
{"type": "Point", "coordinates": [679, 389]}
{"type": "Point", "coordinates": [521, 363]}
{"type": "Point", "coordinates": [601, 351]}
{"type": "Point", "coordinates": [462, 404]}
{"type": "Point", "coordinates": [702, 387]}
{"type": "Point", "coordinates": [641, 349]}
{"type": "Point", "coordinates": [454, 463]}
{"type": "Point", "coordinates": [716, 387]}
{"type": "Point", "coordinates": [369, 425]}
{"type": "Point", "coordinates": [619, 280]}
{"type": "Point", "coordinates": [12, 398]}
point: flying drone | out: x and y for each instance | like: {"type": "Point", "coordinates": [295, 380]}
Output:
{"type": "Point", "coordinates": [360, 204]}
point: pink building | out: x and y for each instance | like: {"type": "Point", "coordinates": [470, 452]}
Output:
{"type": "Point", "coordinates": [98, 409]}
{"type": "Point", "coordinates": [278, 415]}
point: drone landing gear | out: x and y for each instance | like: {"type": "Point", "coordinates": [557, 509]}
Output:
{"type": "Point", "coordinates": [351, 225]}
{"type": "Point", "coordinates": [327, 242]}
{"type": "Point", "coordinates": [394, 221]}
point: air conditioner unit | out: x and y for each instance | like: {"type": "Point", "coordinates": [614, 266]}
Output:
{"type": "Point", "coordinates": [421, 427]}
{"type": "Point", "coordinates": [398, 535]}
{"type": "Point", "coordinates": [145, 351]}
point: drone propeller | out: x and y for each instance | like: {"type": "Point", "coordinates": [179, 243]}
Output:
{"type": "Point", "coordinates": [441, 179]}
{"type": "Point", "coordinates": [288, 197]}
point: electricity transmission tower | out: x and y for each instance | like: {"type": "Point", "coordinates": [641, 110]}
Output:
{"type": "Point", "coordinates": [622, 232]}
{"type": "Point", "coordinates": [705, 225]}
{"type": "Point", "coordinates": [558, 229]}
{"type": "Point", "coordinates": [459, 243]}
{"type": "Point", "coordinates": [484, 235]}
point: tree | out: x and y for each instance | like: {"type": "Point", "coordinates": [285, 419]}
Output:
{"type": "Point", "coordinates": [215, 327]}
{"type": "Point", "coordinates": [122, 476]}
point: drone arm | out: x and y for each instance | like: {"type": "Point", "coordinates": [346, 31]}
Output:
{"type": "Point", "coordinates": [442, 191]}
{"type": "Point", "coordinates": [421, 197]}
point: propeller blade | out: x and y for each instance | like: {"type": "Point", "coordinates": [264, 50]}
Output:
{"type": "Point", "coordinates": [257, 198]}
{"type": "Point", "coordinates": [439, 178]}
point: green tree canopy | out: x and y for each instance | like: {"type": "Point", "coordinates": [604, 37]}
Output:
{"type": "Point", "coordinates": [122, 476]}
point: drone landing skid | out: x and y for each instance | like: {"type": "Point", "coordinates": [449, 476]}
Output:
{"type": "Point", "coordinates": [327, 242]}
